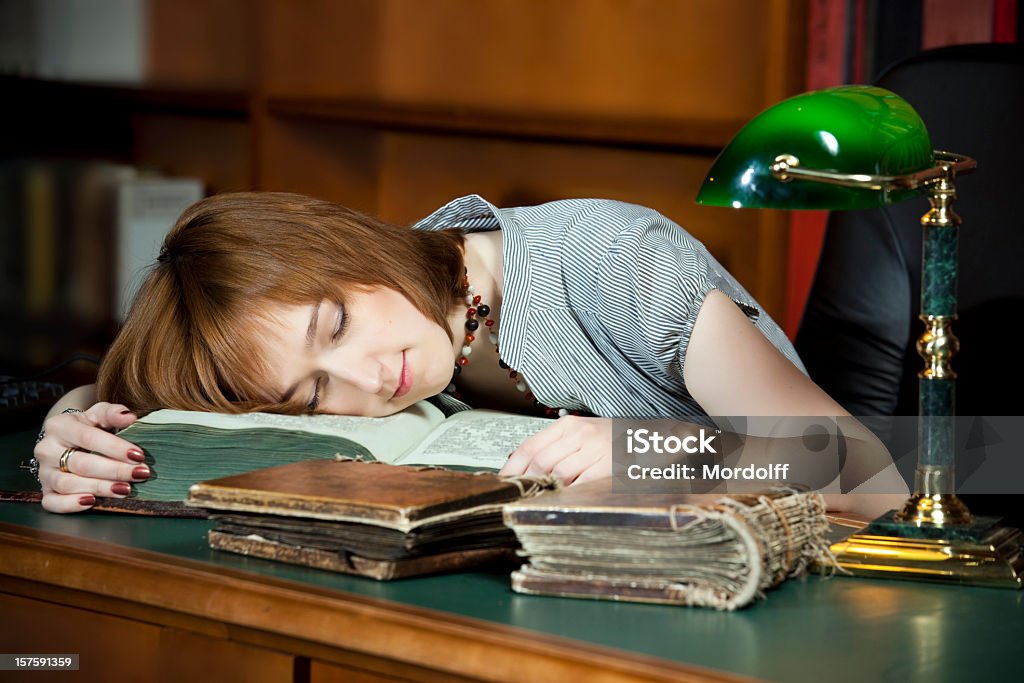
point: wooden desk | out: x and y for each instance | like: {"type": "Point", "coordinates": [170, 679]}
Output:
{"type": "Point", "coordinates": [146, 599]}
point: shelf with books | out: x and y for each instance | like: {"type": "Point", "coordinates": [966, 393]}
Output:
{"type": "Point", "coordinates": [78, 233]}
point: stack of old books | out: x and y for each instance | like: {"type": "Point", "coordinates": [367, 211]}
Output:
{"type": "Point", "coordinates": [723, 552]}
{"type": "Point", "coordinates": [367, 518]}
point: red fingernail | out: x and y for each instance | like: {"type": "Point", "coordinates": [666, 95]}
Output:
{"type": "Point", "coordinates": [87, 501]}
{"type": "Point", "coordinates": [120, 488]}
{"type": "Point", "coordinates": [135, 455]}
{"type": "Point", "coordinates": [141, 472]}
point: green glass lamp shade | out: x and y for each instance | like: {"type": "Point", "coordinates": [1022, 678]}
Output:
{"type": "Point", "coordinates": [847, 130]}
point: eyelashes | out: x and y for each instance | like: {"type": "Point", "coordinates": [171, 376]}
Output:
{"type": "Point", "coordinates": [315, 400]}
{"type": "Point", "coordinates": [340, 326]}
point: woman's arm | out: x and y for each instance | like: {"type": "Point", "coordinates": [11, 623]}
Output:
{"type": "Point", "coordinates": [732, 370]}
{"type": "Point", "coordinates": [98, 463]}
{"type": "Point", "coordinates": [79, 398]}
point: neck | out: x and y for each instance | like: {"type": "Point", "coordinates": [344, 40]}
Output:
{"type": "Point", "coordinates": [483, 262]}
{"type": "Point", "coordinates": [484, 265]}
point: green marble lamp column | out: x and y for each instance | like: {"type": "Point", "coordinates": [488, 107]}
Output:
{"type": "Point", "coordinates": [934, 499]}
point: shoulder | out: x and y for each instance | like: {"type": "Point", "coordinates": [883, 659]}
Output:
{"type": "Point", "coordinates": [591, 232]}
{"type": "Point", "coordinates": [469, 213]}
{"type": "Point", "coordinates": [593, 218]}
{"type": "Point", "coordinates": [585, 217]}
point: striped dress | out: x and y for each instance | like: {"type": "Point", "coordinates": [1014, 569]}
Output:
{"type": "Point", "coordinates": [599, 301]}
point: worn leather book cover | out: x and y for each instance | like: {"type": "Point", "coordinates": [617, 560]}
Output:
{"type": "Point", "coordinates": [351, 563]}
{"type": "Point", "coordinates": [374, 493]}
{"type": "Point", "coordinates": [700, 550]}
{"type": "Point", "coordinates": [367, 518]}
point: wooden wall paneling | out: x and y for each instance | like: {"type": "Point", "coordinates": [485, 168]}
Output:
{"type": "Point", "coordinates": [318, 654]}
{"type": "Point", "coordinates": [201, 43]}
{"type": "Point", "coordinates": [786, 31]}
{"type": "Point", "coordinates": [644, 58]}
{"type": "Point", "coordinates": [322, 159]}
{"type": "Point", "coordinates": [639, 58]}
{"type": "Point", "coordinates": [322, 48]}
{"type": "Point", "coordinates": [112, 648]}
{"type": "Point", "coordinates": [320, 672]}
{"type": "Point", "coordinates": [770, 261]}
{"type": "Point", "coordinates": [217, 150]}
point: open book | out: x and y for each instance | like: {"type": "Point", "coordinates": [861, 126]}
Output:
{"type": "Point", "coordinates": [184, 447]}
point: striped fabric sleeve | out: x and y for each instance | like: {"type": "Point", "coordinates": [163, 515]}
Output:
{"type": "Point", "coordinates": [651, 289]}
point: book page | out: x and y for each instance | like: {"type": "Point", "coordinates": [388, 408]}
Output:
{"type": "Point", "coordinates": [388, 438]}
{"type": "Point", "coordinates": [480, 439]}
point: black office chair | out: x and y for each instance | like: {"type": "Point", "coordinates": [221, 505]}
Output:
{"type": "Point", "coordinates": [860, 326]}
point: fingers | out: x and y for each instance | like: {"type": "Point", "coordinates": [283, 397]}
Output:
{"type": "Point", "coordinates": [88, 431]}
{"type": "Point", "coordinates": [570, 466]}
{"type": "Point", "coordinates": [66, 483]}
{"type": "Point", "coordinates": [97, 463]}
{"type": "Point", "coordinates": [110, 415]}
{"type": "Point", "coordinates": [569, 449]}
{"type": "Point", "coordinates": [83, 465]}
{"type": "Point", "coordinates": [76, 502]}
{"type": "Point", "coordinates": [522, 457]}
{"type": "Point", "coordinates": [599, 470]}
{"type": "Point", "coordinates": [89, 438]}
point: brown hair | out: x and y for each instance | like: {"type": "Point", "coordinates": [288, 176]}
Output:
{"type": "Point", "coordinates": [188, 341]}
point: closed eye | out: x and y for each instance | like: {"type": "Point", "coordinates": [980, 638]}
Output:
{"type": "Point", "coordinates": [314, 401]}
{"type": "Point", "coordinates": [340, 325]}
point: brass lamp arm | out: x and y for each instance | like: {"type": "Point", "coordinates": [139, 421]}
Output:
{"type": "Point", "coordinates": [787, 168]}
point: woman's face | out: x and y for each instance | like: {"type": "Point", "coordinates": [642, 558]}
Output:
{"type": "Point", "coordinates": [374, 357]}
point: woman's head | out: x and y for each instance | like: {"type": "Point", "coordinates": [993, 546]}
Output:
{"type": "Point", "coordinates": [195, 337]}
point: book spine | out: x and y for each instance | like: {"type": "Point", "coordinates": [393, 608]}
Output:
{"type": "Point", "coordinates": [146, 209]}
{"type": "Point", "coordinates": [826, 43]}
{"type": "Point", "coordinates": [1005, 26]}
{"type": "Point", "coordinates": [90, 288]}
{"type": "Point", "coordinates": [954, 22]}
{"type": "Point", "coordinates": [40, 239]}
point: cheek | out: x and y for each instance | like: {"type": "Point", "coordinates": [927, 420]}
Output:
{"type": "Point", "coordinates": [440, 361]}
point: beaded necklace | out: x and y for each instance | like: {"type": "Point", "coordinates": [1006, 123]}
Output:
{"type": "Point", "coordinates": [477, 310]}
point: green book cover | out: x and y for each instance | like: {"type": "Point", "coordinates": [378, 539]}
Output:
{"type": "Point", "coordinates": [183, 447]}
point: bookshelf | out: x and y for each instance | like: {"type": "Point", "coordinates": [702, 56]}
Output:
{"type": "Point", "coordinates": [395, 107]}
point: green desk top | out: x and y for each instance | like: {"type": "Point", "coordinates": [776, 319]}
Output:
{"type": "Point", "coordinates": [839, 629]}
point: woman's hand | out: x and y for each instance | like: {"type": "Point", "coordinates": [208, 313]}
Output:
{"type": "Point", "coordinates": [574, 449]}
{"type": "Point", "coordinates": [97, 464]}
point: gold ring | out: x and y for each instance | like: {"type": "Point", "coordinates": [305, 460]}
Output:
{"type": "Point", "coordinates": [64, 460]}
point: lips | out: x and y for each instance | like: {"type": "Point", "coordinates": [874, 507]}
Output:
{"type": "Point", "coordinates": [405, 380]}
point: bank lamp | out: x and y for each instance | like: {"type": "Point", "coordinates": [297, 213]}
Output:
{"type": "Point", "coordinates": [859, 147]}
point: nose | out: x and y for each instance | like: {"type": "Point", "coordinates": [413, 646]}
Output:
{"type": "Point", "coordinates": [360, 371]}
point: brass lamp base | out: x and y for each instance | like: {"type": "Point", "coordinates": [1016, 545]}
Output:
{"type": "Point", "coordinates": [979, 553]}
{"type": "Point", "coordinates": [922, 509]}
